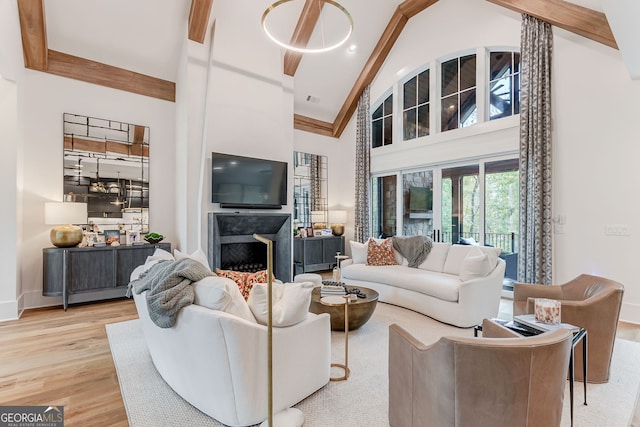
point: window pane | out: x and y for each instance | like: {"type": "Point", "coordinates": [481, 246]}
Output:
{"type": "Point", "coordinates": [467, 72]}
{"type": "Point", "coordinates": [468, 111]}
{"type": "Point", "coordinates": [449, 113]}
{"type": "Point", "coordinates": [409, 124]}
{"type": "Point", "coordinates": [423, 120]}
{"type": "Point", "coordinates": [388, 127]}
{"type": "Point", "coordinates": [516, 94]}
{"type": "Point", "coordinates": [449, 77]}
{"type": "Point", "coordinates": [383, 206]}
{"type": "Point", "coordinates": [423, 87]}
{"type": "Point", "coordinates": [501, 210]}
{"type": "Point", "coordinates": [516, 62]}
{"type": "Point", "coordinates": [376, 133]}
{"type": "Point", "coordinates": [499, 64]}
{"type": "Point", "coordinates": [388, 105]}
{"type": "Point", "coordinates": [500, 98]}
{"type": "Point", "coordinates": [377, 113]}
{"type": "Point", "coordinates": [410, 93]}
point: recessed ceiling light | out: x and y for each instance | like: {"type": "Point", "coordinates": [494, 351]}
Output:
{"type": "Point", "coordinates": [352, 48]}
{"type": "Point", "coordinates": [401, 71]}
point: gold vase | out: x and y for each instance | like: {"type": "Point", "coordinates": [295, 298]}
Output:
{"type": "Point", "coordinates": [66, 236]}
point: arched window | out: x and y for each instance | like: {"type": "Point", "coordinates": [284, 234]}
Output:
{"type": "Point", "coordinates": [382, 123]}
{"type": "Point", "coordinates": [458, 93]}
{"type": "Point", "coordinates": [504, 84]}
{"type": "Point", "coordinates": [415, 108]}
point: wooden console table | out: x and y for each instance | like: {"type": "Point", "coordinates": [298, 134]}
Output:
{"type": "Point", "coordinates": [92, 274]}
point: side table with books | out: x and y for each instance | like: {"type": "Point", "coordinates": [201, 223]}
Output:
{"type": "Point", "coordinates": [527, 325]}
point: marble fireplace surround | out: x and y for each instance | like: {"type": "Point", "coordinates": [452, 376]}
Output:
{"type": "Point", "coordinates": [228, 228]}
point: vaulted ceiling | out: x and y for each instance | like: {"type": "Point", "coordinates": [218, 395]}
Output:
{"type": "Point", "coordinates": [135, 46]}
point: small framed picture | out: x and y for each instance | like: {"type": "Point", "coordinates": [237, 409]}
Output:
{"type": "Point", "coordinates": [90, 238]}
{"type": "Point", "coordinates": [111, 236]}
{"type": "Point", "coordinates": [309, 231]}
{"type": "Point", "coordinates": [133, 237]}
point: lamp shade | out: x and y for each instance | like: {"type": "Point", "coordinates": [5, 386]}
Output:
{"type": "Point", "coordinates": [317, 216]}
{"type": "Point", "coordinates": [56, 213]}
{"type": "Point", "coordinates": [338, 216]}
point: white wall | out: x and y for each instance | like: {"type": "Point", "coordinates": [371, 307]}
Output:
{"type": "Point", "coordinates": [341, 154]}
{"type": "Point", "coordinates": [42, 100]}
{"type": "Point", "coordinates": [595, 143]}
{"type": "Point", "coordinates": [595, 113]}
{"type": "Point", "coordinates": [248, 108]}
{"type": "Point", "coordinates": [10, 167]}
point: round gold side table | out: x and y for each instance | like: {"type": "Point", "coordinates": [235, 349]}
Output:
{"type": "Point", "coordinates": [336, 301]}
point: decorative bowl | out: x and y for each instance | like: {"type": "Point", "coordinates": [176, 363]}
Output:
{"type": "Point", "coordinates": [154, 239]}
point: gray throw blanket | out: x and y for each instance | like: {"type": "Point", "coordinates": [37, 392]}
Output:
{"type": "Point", "coordinates": [169, 288]}
{"type": "Point", "coordinates": [414, 248]}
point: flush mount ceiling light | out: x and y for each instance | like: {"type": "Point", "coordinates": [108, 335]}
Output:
{"type": "Point", "coordinates": [324, 47]}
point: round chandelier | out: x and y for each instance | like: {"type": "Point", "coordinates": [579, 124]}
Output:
{"type": "Point", "coordinates": [323, 48]}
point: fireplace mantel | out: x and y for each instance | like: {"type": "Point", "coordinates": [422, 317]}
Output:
{"type": "Point", "coordinates": [226, 228]}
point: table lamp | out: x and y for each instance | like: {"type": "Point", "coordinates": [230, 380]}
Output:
{"type": "Point", "coordinates": [63, 215]}
{"type": "Point", "coordinates": [338, 219]}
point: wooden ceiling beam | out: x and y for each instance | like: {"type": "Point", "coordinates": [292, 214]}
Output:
{"type": "Point", "coordinates": [302, 34]}
{"type": "Point", "coordinates": [308, 124]}
{"type": "Point", "coordinates": [86, 70]}
{"type": "Point", "coordinates": [568, 16]}
{"type": "Point", "coordinates": [198, 19]}
{"type": "Point", "coordinates": [394, 28]}
{"type": "Point", "coordinates": [34, 33]}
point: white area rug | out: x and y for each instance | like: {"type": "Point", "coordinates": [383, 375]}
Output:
{"type": "Point", "coordinates": [362, 400]}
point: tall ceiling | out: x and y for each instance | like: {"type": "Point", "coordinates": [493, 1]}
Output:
{"type": "Point", "coordinates": [146, 36]}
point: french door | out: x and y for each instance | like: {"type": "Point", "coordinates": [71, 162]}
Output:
{"type": "Point", "coordinates": [471, 203]}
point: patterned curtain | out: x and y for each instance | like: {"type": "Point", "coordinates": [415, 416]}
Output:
{"type": "Point", "coordinates": [363, 167]}
{"type": "Point", "coordinates": [534, 260]}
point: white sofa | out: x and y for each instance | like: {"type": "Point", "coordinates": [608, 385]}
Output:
{"type": "Point", "coordinates": [217, 361]}
{"type": "Point", "coordinates": [456, 284]}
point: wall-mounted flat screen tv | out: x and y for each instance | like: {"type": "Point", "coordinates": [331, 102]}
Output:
{"type": "Point", "coordinates": [420, 202]}
{"type": "Point", "coordinates": [247, 182]}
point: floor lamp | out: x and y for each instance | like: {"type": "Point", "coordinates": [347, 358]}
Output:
{"type": "Point", "coordinates": [289, 417]}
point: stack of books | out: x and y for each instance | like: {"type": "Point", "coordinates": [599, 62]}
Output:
{"type": "Point", "coordinates": [332, 289]}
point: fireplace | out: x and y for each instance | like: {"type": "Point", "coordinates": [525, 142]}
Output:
{"type": "Point", "coordinates": [232, 246]}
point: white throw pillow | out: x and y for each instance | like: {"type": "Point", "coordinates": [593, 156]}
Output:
{"type": "Point", "coordinates": [436, 258]}
{"type": "Point", "coordinates": [358, 252]}
{"type": "Point", "coordinates": [475, 265]}
{"type": "Point", "coordinates": [220, 293]}
{"type": "Point", "coordinates": [198, 255]}
{"type": "Point", "coordinates": [290, 303]}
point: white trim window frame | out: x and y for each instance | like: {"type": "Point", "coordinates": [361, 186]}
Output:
{"type": "Point", "coordinates": [502, 82]}
{"type": "Point", "coordinates": [382, 118]}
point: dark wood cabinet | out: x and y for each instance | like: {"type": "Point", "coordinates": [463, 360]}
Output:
{"type": "Point", "coordinates": [316, 253]}
{"type": "Point", "coordinates": [92, 274]}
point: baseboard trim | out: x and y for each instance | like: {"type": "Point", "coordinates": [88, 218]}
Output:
{"type": "Point", "coordinates": [630, 313]}
{"type": "Point", "coordinates": [9, 310]}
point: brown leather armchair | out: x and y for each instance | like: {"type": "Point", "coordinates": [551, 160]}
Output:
{"type": "Point", "coordinates": [477, 381]}
{"type": "Point", "coordinates": [589, 301]}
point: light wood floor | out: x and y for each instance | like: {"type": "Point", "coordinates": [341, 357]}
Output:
{"type": "Point", "coordinates": [58, 358]}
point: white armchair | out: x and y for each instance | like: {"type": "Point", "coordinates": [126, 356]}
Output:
{"type": "Point", "coordinates": [218, 362]}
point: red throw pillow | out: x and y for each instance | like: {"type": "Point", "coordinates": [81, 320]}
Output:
{"type": "Point", "coordinates": [380, 254]}
{"type": "Point", "coordinates": [244, 280]}
{"type": "Point", "coordinates": [237, 276]}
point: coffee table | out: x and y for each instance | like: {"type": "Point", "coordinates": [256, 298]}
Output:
{"type": "Point", "coordinates": [360, 310]}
